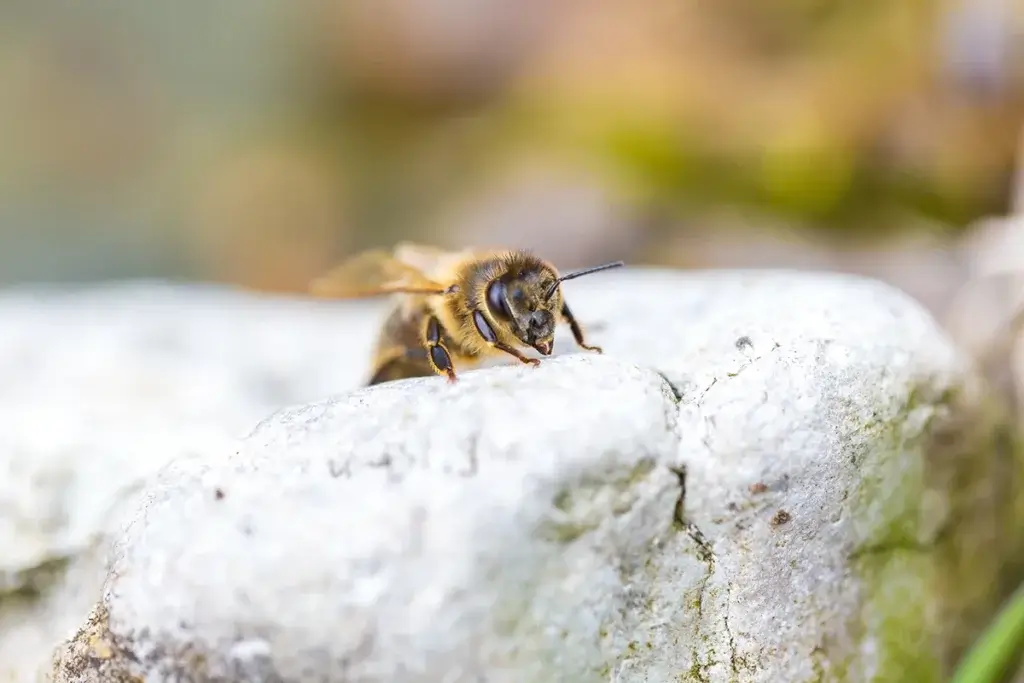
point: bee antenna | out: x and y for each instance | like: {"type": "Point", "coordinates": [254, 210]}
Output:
{"type": "Point", "coordinates": [579, 273]}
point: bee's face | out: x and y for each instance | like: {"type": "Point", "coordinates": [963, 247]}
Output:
{"type": "Point", "coordinates": [520, 302]}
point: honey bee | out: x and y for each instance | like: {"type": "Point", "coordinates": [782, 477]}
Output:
{"type": "Point", "coordinates": [456, 308]}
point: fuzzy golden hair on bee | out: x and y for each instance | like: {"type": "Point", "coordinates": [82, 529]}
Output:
{"type": "Point", "coordinates": [457, 308]}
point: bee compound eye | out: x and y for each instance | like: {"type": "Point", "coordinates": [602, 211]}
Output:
{"type": "Point", "coordinates": [496, 299]}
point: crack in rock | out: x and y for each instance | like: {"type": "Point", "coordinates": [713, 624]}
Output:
{"type": "Point", "coordinates": [706, 555]}
{"type": "Point", "coordinates": [673, 389]}
{"type": "Point", "coordinates": [728, 631]}
{"type": "Point", "coordinates": [735, 373]}
{"type": "Point", "coordinates": [700, 399]}
{"type": "Point", "coordinates": [704, 550]}
{"type": "Point", "coordinates": [751, 361]}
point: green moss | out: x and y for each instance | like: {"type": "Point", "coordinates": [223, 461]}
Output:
{"type": "Point", "coordinates": [896, 615]}
{"type": "Point", "coordinates": [930, 583]}
{"type": "Point", "coordinates": [819, 668]}
{"type": "Point", "coordinates": [696, 673]}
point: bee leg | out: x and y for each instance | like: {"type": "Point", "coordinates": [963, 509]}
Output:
{"type": "Point", "coordinates": [487, 332]}
{"type": "Point", "coordinates": [513, 352]}
{"type": "Point", "coordinates": [440, 359]}
{"type": "Point", "coordinates": [577, 331]}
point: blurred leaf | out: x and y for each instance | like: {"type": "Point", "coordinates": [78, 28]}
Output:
{"type": "Point", "coordinates": [999, 648]}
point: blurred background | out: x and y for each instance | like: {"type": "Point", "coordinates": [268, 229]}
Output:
{"type": "Point", "coordinates": [256, 142]}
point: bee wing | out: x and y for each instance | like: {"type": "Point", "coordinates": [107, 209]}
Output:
{"type": "Point", "coordinates": [371, 273]}
{"type": "Point", "coordinates": [434, 262]}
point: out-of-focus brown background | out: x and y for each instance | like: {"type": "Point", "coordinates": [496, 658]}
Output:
{"type": "Point", "coordinates": [256, 142]}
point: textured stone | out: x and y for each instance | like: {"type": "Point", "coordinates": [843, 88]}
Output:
{"type": "Point", "coordinates": [100, 389]}
{"type": "Point", "coordinates": [768, 476]}
{"type": "Point", "coordinates": [342, 512]}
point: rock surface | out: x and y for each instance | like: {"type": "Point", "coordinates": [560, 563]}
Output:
{"type": "Point", "coordinates": [103, 387]}
{"type": "Point", "coordinates": [767, 476]}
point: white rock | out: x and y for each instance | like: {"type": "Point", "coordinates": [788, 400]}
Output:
{"type": "Point", "coordinates": [523, 524]}
{"type": "Point", "coordinates": [100, 389]}
{"type": "Point", "coordinates": [414, 528]}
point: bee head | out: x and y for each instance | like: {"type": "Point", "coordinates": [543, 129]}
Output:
{"type": "Point", "coordinates": [529, 299]}
{"type": "Point", "coordinates": [520, 299]}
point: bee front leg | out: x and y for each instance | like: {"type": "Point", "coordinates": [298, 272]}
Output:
{"type": "Point", "coordinates": [485, 331]}
{"type": "Point", "coordinates": [440, 359]}
{"type": "Point", "coordinates": [577, 331]}
{"type": "Point", "coordinates": [514, 352]}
